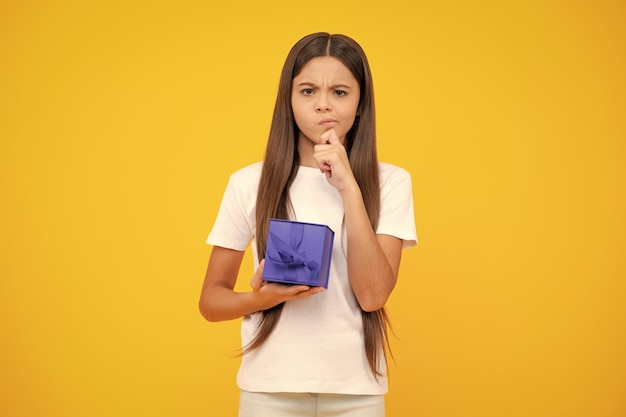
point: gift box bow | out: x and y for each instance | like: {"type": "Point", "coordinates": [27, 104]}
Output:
{"type": "Point", "coordinates": [287, 255]}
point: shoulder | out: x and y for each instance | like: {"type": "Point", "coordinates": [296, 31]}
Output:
{"type": "Point", "coordinates": [248, 175]}
{"type": "Point", "coordinates": [389, 172]}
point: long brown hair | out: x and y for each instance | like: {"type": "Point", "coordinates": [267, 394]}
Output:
{"type": "Point", "coordinates": [277, 177]}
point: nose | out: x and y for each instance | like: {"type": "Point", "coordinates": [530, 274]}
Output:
{"type": "Point", "coordinates": [322, 105]}
{"type": "Point", "coordinates": [322, 108]}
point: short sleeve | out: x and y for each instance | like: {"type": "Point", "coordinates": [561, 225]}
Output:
{"type": "Point", "coordinates": [234, 224]}
{"type": "Point", "coordinates": [397, 217]}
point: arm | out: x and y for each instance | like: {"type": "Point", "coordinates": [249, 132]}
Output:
{"type": "Point", "coordinates": [219, 301]}
{"type": "Point", "coordinates": [373, 260]}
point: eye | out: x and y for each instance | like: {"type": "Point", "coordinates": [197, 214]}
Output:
{"type": "Point", "coordinates": [340, 93]}
{"type": "Point", "coordinates": [307, 91]}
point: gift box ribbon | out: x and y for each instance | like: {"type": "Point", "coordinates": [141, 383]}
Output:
{"type": "Point", "coordinates": [288, 255]}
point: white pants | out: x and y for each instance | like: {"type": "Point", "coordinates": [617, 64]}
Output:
{"type": "Point", "coordinates": [261, 404]}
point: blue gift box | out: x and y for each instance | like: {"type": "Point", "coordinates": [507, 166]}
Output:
{"type": "Point", "coordinates": [298, 253]}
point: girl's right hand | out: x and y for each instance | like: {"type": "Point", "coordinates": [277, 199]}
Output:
{"type": "Point", "coordinates": [274, 293]}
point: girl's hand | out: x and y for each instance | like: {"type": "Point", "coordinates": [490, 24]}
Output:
{"type": "Point", "coordinates": [274, 293]}
{"type": "Point", "coordinates": [332, 159]}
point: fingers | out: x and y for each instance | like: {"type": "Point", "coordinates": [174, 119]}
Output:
{"type": "Point", "coordinates": [330, 138]}
{"type": "Point", "coordinates": [329, 151]}
{"type": "Point", "coordinates": [303, 291]}
{"type": "Point", "coordinates": [281, 292]}
{"type": "Point", "coordinates": [296, 291]}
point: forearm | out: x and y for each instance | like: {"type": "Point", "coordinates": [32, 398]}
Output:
{"type": "Point", "coordinates": [219, 301]}
{"type": "Point", "coordinates": [371, 273]}
{"type": "Point", "coordinates": [221, 304]}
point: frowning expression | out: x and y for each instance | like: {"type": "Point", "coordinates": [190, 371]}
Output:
{"type": "Point", "coordinates": [324, 95]}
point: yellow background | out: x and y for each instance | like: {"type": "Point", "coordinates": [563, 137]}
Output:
{"type": "Point", "coordinates": [120, 122]}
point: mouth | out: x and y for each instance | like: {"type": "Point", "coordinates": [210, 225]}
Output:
{"type": "Point", "coordinates": [328, 122]}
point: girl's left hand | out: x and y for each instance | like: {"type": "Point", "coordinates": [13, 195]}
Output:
{"type": "Point", "coordinates": [332, 159]}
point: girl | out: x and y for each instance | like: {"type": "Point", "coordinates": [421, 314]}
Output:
{"type": "Point", "coordinates": [309, 351]}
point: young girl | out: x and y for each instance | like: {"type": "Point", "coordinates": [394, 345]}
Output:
{"type": "Point", "coordinates": [309, 351]}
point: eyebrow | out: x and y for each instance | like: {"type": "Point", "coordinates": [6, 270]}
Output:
{"type": "Point", "coordinates": [310, 84]}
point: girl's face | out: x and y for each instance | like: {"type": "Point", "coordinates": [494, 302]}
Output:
{"type": "Point", "coordinates": [325, 95]}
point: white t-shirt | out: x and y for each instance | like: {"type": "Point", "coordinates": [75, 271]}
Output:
{"type": "Point", "coordinates": [317, 346]}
